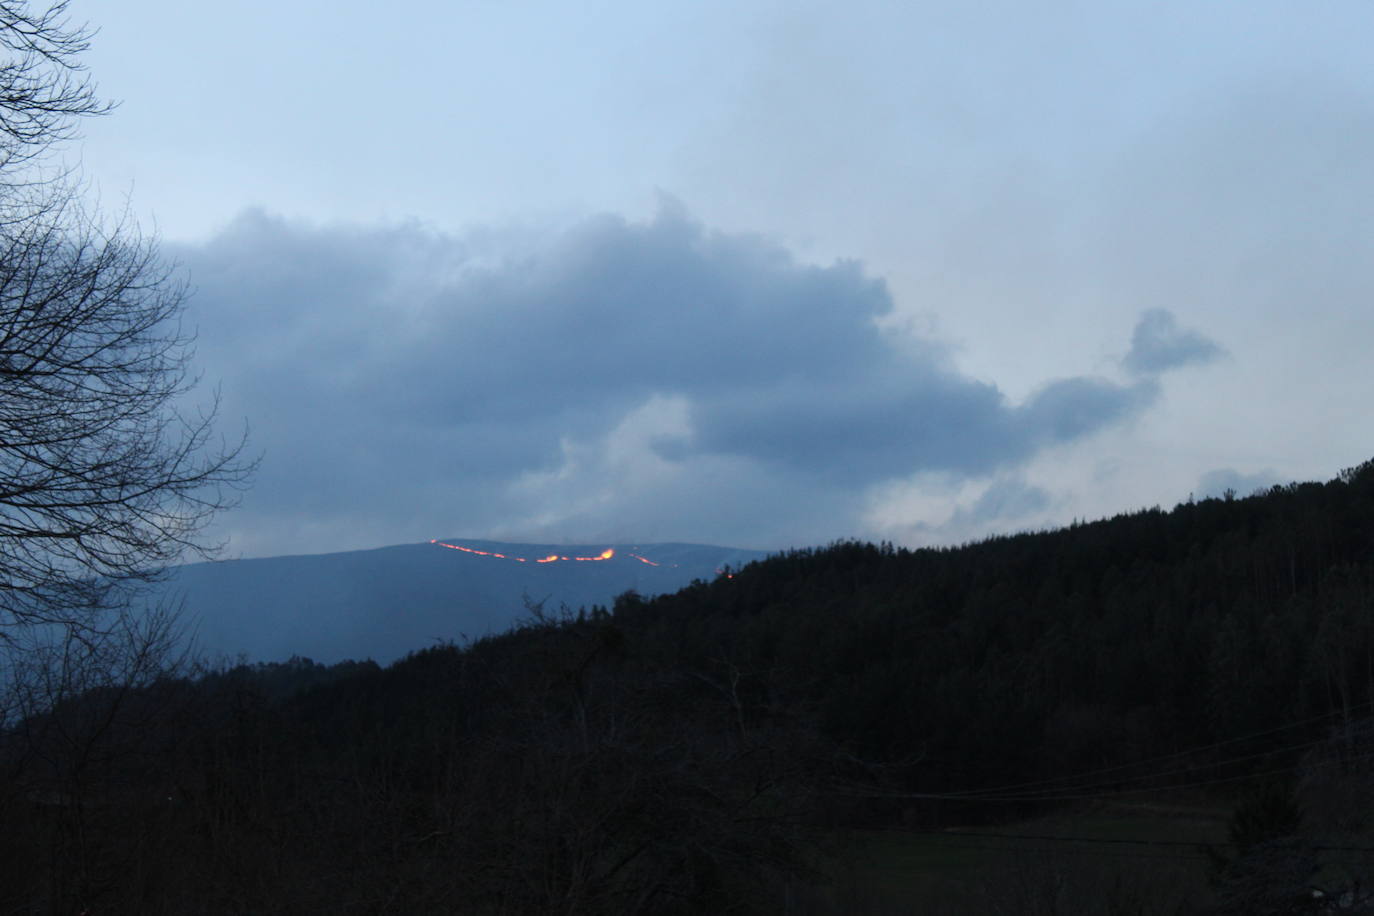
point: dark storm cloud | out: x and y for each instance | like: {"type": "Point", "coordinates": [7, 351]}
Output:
{"type": "Point", "coordinates": [1159, 344]}
{"type": "Point", "coordinates": [418, 382]}
{"type": "Point", "coordinates": [866, 427]}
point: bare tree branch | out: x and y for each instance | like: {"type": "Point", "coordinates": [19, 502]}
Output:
{"type": "Point", "coordinates": [104, 478]}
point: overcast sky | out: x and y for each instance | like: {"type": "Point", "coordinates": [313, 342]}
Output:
{"type": "Point", "coordinates": [761, 274]}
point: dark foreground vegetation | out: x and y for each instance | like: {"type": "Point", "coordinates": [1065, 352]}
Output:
{"type": "Point", "coordinates": [1065, 721]}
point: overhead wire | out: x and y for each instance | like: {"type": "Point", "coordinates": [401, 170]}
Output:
{"type": "Point", "coordinates": [1210, 765]}
{"type": "Point", "coordinates": [1120, 841]}
{"type": "Point", "coordinates": [1163, 757]}
{"type": "Point", "coordinates": [1070, 795]}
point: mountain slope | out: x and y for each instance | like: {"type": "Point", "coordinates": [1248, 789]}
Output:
{"type": "Point", "coordinates": [1093, 698]}
{"type": "Point", "coordinates": [383, 603]}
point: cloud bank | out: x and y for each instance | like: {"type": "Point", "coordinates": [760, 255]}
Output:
{"type": "Point", "coordinates": [638, 380]}
{"type": "Point", "coordinates": [1159, 344]}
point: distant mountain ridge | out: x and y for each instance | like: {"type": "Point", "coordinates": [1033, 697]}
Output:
{"type": "Point", "coordinates": [385, 602]}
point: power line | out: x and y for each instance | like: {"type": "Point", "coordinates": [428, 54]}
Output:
{"type": "Point", "coordinates": [1127, 841]}
{"type": "Point", "coordinates": [1215, 764]}
{"type": "Point", "coordinates": [1081, 850]}
{"type": "Point", "coordinates": [1163, 757]}
{"type": "Point", "coordinates": [1096, 796]}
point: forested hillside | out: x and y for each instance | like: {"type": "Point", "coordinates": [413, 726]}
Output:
{"type": "Point", "coordinates": [703, 751]}
{"type": "Point", "coordinates": [1025, 657]}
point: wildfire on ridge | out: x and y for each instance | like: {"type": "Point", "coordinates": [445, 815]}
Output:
{"type": "Point", "coordinates": [607, 554]}
{"type": "Point", "coordinates": [481, 553]}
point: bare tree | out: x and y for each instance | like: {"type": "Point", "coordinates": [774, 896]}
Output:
{"type": "Point", "coordinates": [103, 479]}
{"type": "Point", "coordinates": [106, 478]}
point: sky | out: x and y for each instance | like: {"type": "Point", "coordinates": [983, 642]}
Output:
{"type": "Point", "coordinates": [762, 274]}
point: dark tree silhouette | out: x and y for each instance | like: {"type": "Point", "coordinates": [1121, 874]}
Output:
{"type": "Point", "coordinates": [43, 85]}
{"type": "Point", "coordinates": [103, 480]}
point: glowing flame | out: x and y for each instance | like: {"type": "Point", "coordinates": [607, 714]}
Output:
{"type": "Point", "coordinates": [482, 553]}
{"type": "Point", "coordinates": [607, 554]}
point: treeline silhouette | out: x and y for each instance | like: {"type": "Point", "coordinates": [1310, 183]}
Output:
{"type": "Point", "coordinates": [693, 752]}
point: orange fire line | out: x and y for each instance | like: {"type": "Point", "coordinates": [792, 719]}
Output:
{"type": "Point", "coordinates": [607, 554]}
